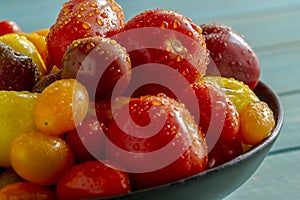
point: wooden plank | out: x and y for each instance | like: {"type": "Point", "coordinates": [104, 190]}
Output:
{"type": "Point", "coordinates": [204, 9]}
{"type": "Point", "coordinates": [280, 69]}
{"type": "Point", "coordinates": [289, 137]}
{"type": "Point", "coordinates": [268, 28]}
{"type": "Point", "coordinates": [277, 178]}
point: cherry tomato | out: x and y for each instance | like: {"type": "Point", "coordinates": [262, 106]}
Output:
{"type": "Point", "coordinates": [238, 92]}
{"type": "Point", "coordinates": [90, 132]}
{"type": "Point", "coordinates": [257, 122]}
{"type": "Point", "coordinates": [92, 179]}
{"type": "Point", "coordinates": [61, 106]}
{"type": "Point", "coordinates": [7, 26]}
{"type": "Point", "coordinates": [26, 190]}
{"type": "Point", "coordinates": [40, 158]}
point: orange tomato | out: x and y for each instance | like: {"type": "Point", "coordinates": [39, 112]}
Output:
{"type": "Point", "coordinates": [61, 106]}
{"type": "Point", "coordinates": [40, 158]}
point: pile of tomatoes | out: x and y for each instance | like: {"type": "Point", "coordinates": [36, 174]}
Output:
{"type": "Point", "coordinates": [96, 106]}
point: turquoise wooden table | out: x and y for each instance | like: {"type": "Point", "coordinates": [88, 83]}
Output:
{"type": "Point", "coordinates": [272, 29]}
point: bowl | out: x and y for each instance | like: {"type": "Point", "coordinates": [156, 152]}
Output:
{"type": "Point", "coordinates": [218, 182]}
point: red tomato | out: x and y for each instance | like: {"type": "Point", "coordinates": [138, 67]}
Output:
{"type": "Point", "coordinates": [158, 38]}
{"type": "Point", "coordinates": [28, 191]}
{"type": "Point", "coordinates": [156, 140]}
{"type": "Point", "coordinates": [75, 21]}
{"type": "Point", "coordinates": [223, 152]}
{"type": "Point", "coordinates": [9, 27]}
{"type": "Point", "coordinates": [219, 119]}
{"type": "Point", "coordinates": [231, 54]}
{"type": "Point", "coordinates": [87, 136]}
{"type": "Point", "coordinates": [92, 179]}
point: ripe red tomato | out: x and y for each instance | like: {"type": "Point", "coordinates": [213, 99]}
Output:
{"type": "Point", "coordinates": [75, 21]}
{"type": "Point", "coordinates": [7, 26]}
{"type": "Point", "coordinates": [224, 152]}
{"type": "Point", "coordinates": [87, 136]}
{"type": "Point", "coordinates": [218, 118]}
{"type": "Point", "coordinates": [156, 139]}
{"type": "Point", "coordinates": [166, 38]}
{"type": "Point", "coordinates": [92, 179]}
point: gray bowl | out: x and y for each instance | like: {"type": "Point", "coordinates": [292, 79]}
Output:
{"type": "Point", "coordinates": [218, 182]}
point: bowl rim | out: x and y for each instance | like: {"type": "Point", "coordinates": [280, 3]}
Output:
{"type": "Point", "coordinates": [279, 118]}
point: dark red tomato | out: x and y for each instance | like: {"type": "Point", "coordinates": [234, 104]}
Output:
{"type": "Point", "coordinates": [88, 136]}
{"type": "Point", "coordinates": [218, 117]}
{"type": "Point", "coordinates": [92, 179]}
{"type": "Point", "coordinates": [99, 63]}
{"type": "Point", "coordinates": [9, 27]}
{"type": "Point", "coordinates": [224, 152]}
{"type": "Point", "coordinates": [156, 139]}
{"type": "Point", "coordinates": [26, 190]}
{"type": "Point", "coordinates": [230, 54]}
{"type": "Point", "coordinates": [166, 38]}
{"type": "Point", "coordinates": [80, 19]}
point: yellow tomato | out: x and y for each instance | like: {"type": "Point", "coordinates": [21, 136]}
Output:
{"type": "Point", "coordinates": [16, 117]}
{"type": "Point", "coordinates": [256, 123]}
{"type": "Point", "coordinates": [39, 42]}
{"type": "Point", "coordinates": [238, 92]}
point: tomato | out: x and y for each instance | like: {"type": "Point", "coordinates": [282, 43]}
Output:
{"type": "Point", "coordinates": [257, 123]}
{"type": "Point", "coordinates": [158, 141]}
{"type": "Point", "coordinates": [16, 117]}
{"type": "Point", "coordinates": [230, 55]}
{"type": "Point", "coordinates": [40, 158]}
{"type": "Point", "coordinates": [92, 179]}
{"type": "Point", "coordinates": [61, 106]}
{"type": "Point", "coordinates": [23, 45]}
{"type": "Point", "coordinates": [90, 132]}
{"type": "Point", "coordinates": [8, 26]}
{"type": "Point", "coordinates": [81, 19]}
{"type": "Point", "coordinates": [99, 64]}
{"type": "Point", "coordinates": [26, 191]}
{"type": "Point", "coordinates": [39, 42]}
{"type": "Point", "coordinates": [219, 119]}
{"type": "Point", "coordinates": [224, 152]}
{"type": "Point", "coordinates": [237, 91]}
{"type": "Point", "coordinates": [18, 72]}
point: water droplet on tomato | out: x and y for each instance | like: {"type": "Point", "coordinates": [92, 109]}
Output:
{"type": "Point", "coordinates": [100, 22]}
{"type": "Point", "coordinates": [86, 25]}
